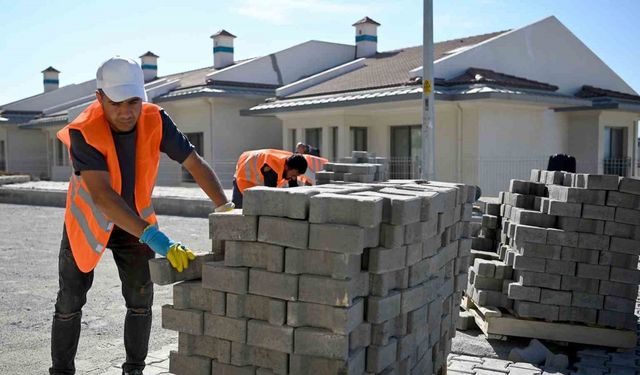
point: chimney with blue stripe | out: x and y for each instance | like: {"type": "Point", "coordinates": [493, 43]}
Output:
{"type": "Point", "coordinates": [222, 49]}
{"type": "Point", "coordinates": [366, 37]}
{"type": "Point", "coordinates": [50, 79]}
{"type": "Point", "coordinates": [149, 65]}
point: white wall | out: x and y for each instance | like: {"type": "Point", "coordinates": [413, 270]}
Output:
{"type": "Point", "coordinates": [545, 51]}
{"type": "Point", "coordinates": [25, 152]}
{"type": "Point", "coordinates": [584, 144]}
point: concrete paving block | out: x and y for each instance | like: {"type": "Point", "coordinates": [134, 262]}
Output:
{"type": "Point", "coordinates": [593, 241]}
{"type": "Point", "coordinates": [610, 258]}
{"type": "Point", "coordinates": [483, 267]}
{"type": "Point", "coordinates": [381, 284]}
{"type": "Point", "coordinates": [593, 271]}
{"type": "Point", "coordinates": [431, 201]}
{"type": "Point", "coordinates": [519, 292]}
{"type": "Point", "coordinates": [482, 282]}
{"type": "Point", "coordinates": [601, 181]}
{"type": "Point", "coordinates": [525, 263]}
{"type": "Point", "coordinates": [415, 297]}
{"type": "Point", "coordinates": [413, 233]}
{"type": "Point", "coordinates": [322, 263]}
{"type": "Point", "coordinates": [578, 314]}
{"type": "Point", "coordinates": [247, 355]}
{"type": "Point", "coordinates": [336, 319]}
{"type": "Point", "coordinates": [254, 254]}
{"type": "Point", "coordinates": [381, 333]}
{"type": "Point", "coordinates": [380, 309]}
{"type": "Point", "coordinates": [625, 276]}
{"type": "Point", "coordinates": [538, 250]}
{"type": "Point", "coordinates": [346, 209]}
{"type": "Point", "coordinates": [561, 237]}
{"type": "Point", "coordinates": [292, 203]}
{"type": "Point", "coordinates": [304, 364]}
{"type": "Point", "coordinates": [256, 307]}
{"type": "Point", "coordinates": [571, 224]}
{"type": "Point", "coordinates": [321, 343]}
{"type": "Point", "coordinates": [489, 221]}
{"type": "Point", "coordinates": [574, 254]}
{"type": "Point", "coordinates": [537, 279]}
{"type": "Point", "coordinates": [333, 292]}
{"type": "Point", "coordinates": [625, 245]}
{"type": "Point", "coordinates": [519, 186]}
{"type": "Point", "coordinates": [527, 233]}
{"type": "Point", "coordinates": [397, 209]}
{"type": "Point", "coordinates": [162, 273]}
{"type": "Point", "coordinates": [191, 295]}
{"type": "Point", "coordinates": [233, 226]}
{"type": "Point", "coordinates": [391, 236]}
{"type": "Point", "coordinates": [577, 195]}
{"type": "Point", "coordinates": [414, 254]}
{"type": "Point", "coordinates": [559, 208]}
{"type": "Point", "coordinates": [536, 310]}
{"type": "Point", "coordinates": [627, 216]}
{"type": "Point", "coordinates": [622, 230]}
{"type": "Point", "coordinates": [189, 365]}
{"type": "Point", "coordinates": [222, 327]}
{"type": "Point", "coordinates": [580, 284]}
{"type": "Point", "coordinates": [560, 267]}
{"type": "Point", "coordinates": [273, 284]}
{"type": "Point", "coordinates": [225, 279]}
{"type": "Point", "coordinates": [383, 260]}
{"type": "Point", "coordinates": [372, 237]}
{"type": "Point", "coordinates": [617, 320]}
{"type": "Point", "coordinates": [348, 239]}
{"type": "Point", "coordinates": [591, 301]}
{"type": "Point", "coordinates": [534, 218]}
{"type": "Point", "coordinates": [619, 304]}
{"type": "Point", "coordinates": [623, 200]}
{"type": "Point", "coordinates": [535, 175]}
{"type": "Point", "coordinates": [219, 368]}
{"type": "Point", "coordinates": [360, 337]}
{"type": "Point", "coordinates": [187, 320]}
{"type": "Point", "coordinates": [430, 246]}
{"type": "Point", "coordinates": [629, 185]}
{"type": "Point", "coordinates": [264, 335]}
{"type": "Point", "coordinates": [380, 357]}
{"type": "Point", "coordinates": [283, 232]}
{"type": "Point", "coordinates": [555, 297]}
{"type": "Point", "coordinates": [611, 288]}
{"type": "Point", "coordinates": [205, 346]}
{"type": "Point", "coordinates": [590, 211]}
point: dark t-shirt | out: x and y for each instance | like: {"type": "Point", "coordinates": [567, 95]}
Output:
{"type": "Point", "coordinates": [86, 158]}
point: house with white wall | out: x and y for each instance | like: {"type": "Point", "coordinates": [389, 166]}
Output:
{"type": "Point", "coordinates": [505, 102]}
{"type": "Point", "coordinates": [204, 103]}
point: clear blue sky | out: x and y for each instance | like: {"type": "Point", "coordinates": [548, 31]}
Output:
{"type": "Point", "coordinates": [76, 36]}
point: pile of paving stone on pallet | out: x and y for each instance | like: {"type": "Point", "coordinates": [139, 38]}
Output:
{"type": "Point", "coordinates": [333, 279]}
{"type": "Point", "coordinates": [570, 245]}
{"type": "Point", "coordinates": [360, 167]}
{"type": "Point", "coordinates": [485, 232]}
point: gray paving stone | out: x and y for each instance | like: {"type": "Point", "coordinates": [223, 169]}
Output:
{"type": "Point", "coordinates": [555, 297]}
{"type": "Point", "coordinates": [591, 301]}
{"type": "Point", "coordinates": [337, 319]}
{"type": "Point", "coordinates": [324, 290]}
{"type": "Point", "coordinates": [246, 355]}
{"type": "Point", "coordinates": [273, 284]}
{"type": "Point", "coordinates": [561, 237]}
{"type": "Point", "coordinates": [322, 263]}
{"type": "Point", "coordinates": [191, 365]}
{"type": "Point", "coordinates": [560, 267]}
{"type": "Point", "coordinates": [191, 295]}
{"type": "Point", "coordinates": [580, 284]}
{"type": "Point", "coordinates": [346, 209]}
{"type": "Point", "coordinates": [233, 226]}
{"type": "Point", "coordinates": [225, 328]}
{"type": "Point", "coordinates": [397, 209]}
{"type": "Point", "coordinates": [254, 254]}
{"type": "Point", "coordinates": [590, 211]}
{"type": "Point", "coordinates": [187, 320]}
{"type": "Point", "coordinates": [283, 232]}
{"type": "Point", "coordinates": [625, 245]}
{"type": "Point", "coordinates": [225, 279]}
{"type": "Point", "coordinates": [321, 343]}
{"type": "Point", "coordinates": [592, 271]}
{"type": "Point", "coordinates": [593, 241]}
{"type": "Point", "coordinates": [382, 260]}
{"type": "Point", "coordinates": [579, 255]}
{"type": "Point", "coordinates": [268, 336]}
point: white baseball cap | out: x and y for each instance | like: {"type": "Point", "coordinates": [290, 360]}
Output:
{"type": "Point", "coordinates": [121, 79]}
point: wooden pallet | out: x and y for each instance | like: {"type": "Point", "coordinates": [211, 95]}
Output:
{"type": "Point", "coordinates": [499, 324]}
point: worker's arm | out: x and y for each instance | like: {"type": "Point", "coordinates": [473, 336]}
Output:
{"type": "Point", "coordinates": [206, 178]}
{"type": "Point", "coordinates": [111, 203]}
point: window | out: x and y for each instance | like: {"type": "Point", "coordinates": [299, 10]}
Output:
{"type": "Point", "coordinates": [293, 141]}
{"type": "Point", "coordinates": [406, 142]}
{"type": "Point", "coordinates": [197, 140]}
{"type": "Point", "coordinates": [615, 161]}
{"type": "Point", "coordinates": [359, 139]}
{"type": "Point", "coordinates": [334, 143]}
{"type": "Point", "coordinates": [313, 137]}
{"type": "Point", "coordinates": [62, 156]}
{"type": "Point", "coordinates": [3, 160]}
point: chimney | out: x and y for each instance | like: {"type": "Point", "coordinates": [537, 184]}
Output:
{"type": "Point", "coordinates": [149, 65]}
{"type": "Point", "coordinates": [50, 79]}
{"type": "Point", "coordinates": [222, 49]}
{"type": "Point", "coordinates": [366, 37]}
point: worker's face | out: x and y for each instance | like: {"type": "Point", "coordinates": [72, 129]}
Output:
{"type": "Point", "coordinates": [301, 149]}
{"type": "Point", "coordinates": [292, 173]}
{"type": "Point", "coordinates": [121, 116]}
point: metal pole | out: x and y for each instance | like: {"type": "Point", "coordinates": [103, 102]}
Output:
{"type": "Point", "coordinates": [428, 102]}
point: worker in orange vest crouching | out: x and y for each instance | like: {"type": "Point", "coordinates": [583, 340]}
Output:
{"type": "Point", "coordinates": [268, 167]}
{"type": "Point", "coordinates": [115, 147]}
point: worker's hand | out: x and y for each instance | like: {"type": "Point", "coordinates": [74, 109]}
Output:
{"type": "Point", "coordinates": [225, 207]}
{"type": "Point", "coordinates": [179, 256]}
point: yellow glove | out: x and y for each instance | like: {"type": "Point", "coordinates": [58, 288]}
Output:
{"type": "Point", "coordinates": [179, 256]}
{"type": "Point", "coordinates": [225, 207]}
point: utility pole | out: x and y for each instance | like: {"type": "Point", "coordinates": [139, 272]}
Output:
{"type": "Point", "coordinates": [428, 101]}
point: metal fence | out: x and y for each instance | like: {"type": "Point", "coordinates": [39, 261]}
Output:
{"type": "Point", "coordinates": [621, 167]}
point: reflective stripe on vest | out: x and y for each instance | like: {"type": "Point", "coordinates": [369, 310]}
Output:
{"type": "Point", "coordinates": [147, 212]}
{"type": "Point", "coordinates": [84, 194]}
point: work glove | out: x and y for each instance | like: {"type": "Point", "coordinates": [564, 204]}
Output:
{"type": "Point", "coordinates": [178, 255]}
{"type": "Point", "coordinates": [225, 207]}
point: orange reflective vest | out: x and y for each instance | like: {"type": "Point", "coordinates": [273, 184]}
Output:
{"type": "Point", "coordinates": [87, 227]}
{"type": "Point", "coordinates": [314, 164]}
{"type": "Point", "coordinates": [248, 168]}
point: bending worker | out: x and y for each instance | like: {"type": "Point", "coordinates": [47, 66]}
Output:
{"type": "Point", "coordinates": [268, 167]}
{"type": "Point", "coordinates": [115, 146]}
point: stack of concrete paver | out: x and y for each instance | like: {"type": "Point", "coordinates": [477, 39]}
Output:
{"type": "Point", "coordinates": [334, 279]}
{"type": "Point", "coordinates": [573, 241]}
{"type": "Point", "coordinates": [360, 167]}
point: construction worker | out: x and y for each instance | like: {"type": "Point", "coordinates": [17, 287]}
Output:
{"type": "Point", "coordinates": [268, 167]}
{"type": "Point", "coordinates": [115, 146]}
{"type": "Point", "coordinates": [315, 164]}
